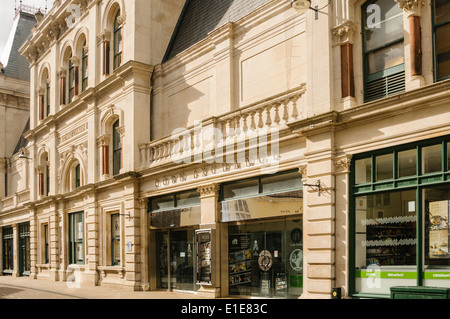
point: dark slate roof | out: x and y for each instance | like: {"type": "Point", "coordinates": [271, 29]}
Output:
{"type": "Point", "coordinates": [23, 142]}
{"type": "Point", "coordinates": [199, 17]}
{"type": "Point", "coordinates": [17, 66]}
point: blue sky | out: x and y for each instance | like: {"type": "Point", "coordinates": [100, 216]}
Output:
{"type": "Point", "coordinates": [7, 16]}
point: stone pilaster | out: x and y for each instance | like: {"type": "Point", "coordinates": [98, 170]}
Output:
{"type": "Point", "coordinates": [210, 219]}
{"type": "Point", "coordinates": [92, 239]}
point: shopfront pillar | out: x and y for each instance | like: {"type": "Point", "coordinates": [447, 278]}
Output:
{"type": "Point", "coordinates": [210, 220]}
{"type": "Point", "coordinates": [33, 243]}
{"type": "Point", "coordinates": [58, 256]}
{"type": "Point", "coordinates": [342, 172]}
{"type": "Point", "coordinates": [319, 229]}
{"type": "Point", "coordinates": [133, 240]}
{"type": "Point", "coordinates": [145, 225]}
{"type": "Point", "coordinates": [15, 272]}
{"type": "Point", "coordinates": [92, 232]}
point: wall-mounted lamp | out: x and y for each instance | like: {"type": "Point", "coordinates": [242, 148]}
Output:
{"type": "Point", "coordinates": [22, 156]}
{"type": "Point", "coordinates": [301, 6]}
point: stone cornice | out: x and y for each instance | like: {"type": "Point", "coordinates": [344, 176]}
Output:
{"type": "Point", "coordinates": [51, 28]}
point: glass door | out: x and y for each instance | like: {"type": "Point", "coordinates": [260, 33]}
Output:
{"type": "Point", "coordinates": [266, 259]}
{"type": "Point", "coordinates": [176, 260]}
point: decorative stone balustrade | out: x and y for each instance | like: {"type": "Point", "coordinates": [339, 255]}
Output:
{"type": "Point", "coordinates": [190, 145]}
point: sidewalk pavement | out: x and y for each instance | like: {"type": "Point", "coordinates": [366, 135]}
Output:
{"type": "Point", "coordinates": [62, 290]}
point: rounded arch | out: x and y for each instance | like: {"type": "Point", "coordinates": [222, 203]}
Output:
{"type": "Point", "coordinates": [44, 73]}
{"type": "Point", "coordinates": [81, 36]}
{"type": "Point", "coordinates": [66, 52]}
{"type": "Point", "coordinates": [42, 151]}
{"type": "Point", "coordinates": [70, 161]}
{"type": "Point", "coordinates": [110, 13]}
{"type": "Point", "coordinates": [110, 117]}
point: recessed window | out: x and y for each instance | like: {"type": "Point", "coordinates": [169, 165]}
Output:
{"type": "Point", "coordinates": [363, 171]}
{"type": "Point", "coordinates": [383, 49]}
{"type": "Point", "coordinates": [441, 26]}
{"type": "Point", "coordinates": [117, 42]}
{"type": "Point", "coordinates": [384, 167]}
{"type": "Point", "coordinates": [117, 149]}
{"type": "Point", "coordinates": [84, 68]}
{"type": "Point", "coordinates": [71, 79]}
{"type": "Point", "coordinates": [432, 159]}
{"type": "Point", "coordinates": [76, 238]}
{"type": "Point", "coordinates": [115, 239]}
{"type": "Point", "coordinates": [407, 163]}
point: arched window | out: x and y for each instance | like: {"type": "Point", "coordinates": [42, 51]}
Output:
{"type": "Point", "coordinates": [441, 31]}
{"type": "Point", "coordinates": [74, 178]}
{"type": "Point", "coordinates": [44, 96]}
{"type": "Point", "coordinates": [71, 70]}
{"type": "Point", "coordinates": [84, 68]}
{"type": "Point", "coordinates": [117, 42]}
{"type": "Point", "coordinates": [44, 175]}
{"type": "Point", "coordinates": [117, 149]}
{"type": "Point", "coordinates": [383, 49]}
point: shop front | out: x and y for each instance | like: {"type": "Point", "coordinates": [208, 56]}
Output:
{"type": "Point", "coordinates": [174, 219]}
{"type": "Point", "coordinates": [265, 235]}
{"type": "Point", "coordinates": [399, 218]}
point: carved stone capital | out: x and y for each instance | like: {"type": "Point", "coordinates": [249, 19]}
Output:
{"type": "Point", "coordinates": [209, 190]}
{"type": "Point", "coordinates": [342, 164]}
{"type": "Point", "coordinates": [103, 140]}
{"type": "Point", "coordinates": [75, 60]}
{"type": "Point", "coordinates": [303, 170]}
{"type": "Point", "coordinates": [103, 36]}
{"type": "Point", "coordinates": [122, 19]}
{"type": "Point", "coordinates": [412, 7]}
{"type": "Point", "coordinates": [344, 33]}
{"type": "Point", "coordinates": [62, 72]}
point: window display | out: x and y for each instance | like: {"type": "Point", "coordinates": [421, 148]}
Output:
{"type": "Point", "coordinates": [385, 239]}
{"type": "Point", "coordinates": [266, 259]}
{"type": "Point", "coordinates": [400, 230]}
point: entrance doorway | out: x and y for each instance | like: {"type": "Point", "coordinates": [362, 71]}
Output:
{"type": "Point", "coordinates": [266, 259]}
{"type": "Point", "coordinates": [24, 249]}
{"type": "Point", "coordinates": [175, 260]}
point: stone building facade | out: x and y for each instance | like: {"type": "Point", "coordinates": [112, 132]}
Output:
{"type": "Point", "coordinates": [240, 148]}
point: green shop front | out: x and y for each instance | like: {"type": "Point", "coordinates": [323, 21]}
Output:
{"type": "Point", "coordinates": [399, 213]}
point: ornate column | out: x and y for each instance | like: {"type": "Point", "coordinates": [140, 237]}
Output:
{"type": "Point", "coordinates": [104, 39]}
{"type": "Point", "coordinates": [103, 144]}
{"type": "Point", "coordinates": [76, 74]}
{"type": "Point", "coordinates": [413, 9]}
{"type": "Point", "coordinates": [62, 86]}
{"type": "Point", "coordinates": [41, 101]}
{"type": "Point", "coordinates": [344, 35]}
{"type": "Point", "coordinates": [40, 172]}
{"type": "Point", "coordinates": [210, 219]}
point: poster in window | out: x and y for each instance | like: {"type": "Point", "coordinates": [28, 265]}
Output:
{"type": "Point", "coordinates": [79, 230]}
{"type": "Point", "coordinates": [438, 218]}
{"type": "Point", "coordinates": [116, 226]}
{"type": "Point", "coordinates": [79, 251]}
{"type": "Point", "coordinates": [204, 257]}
